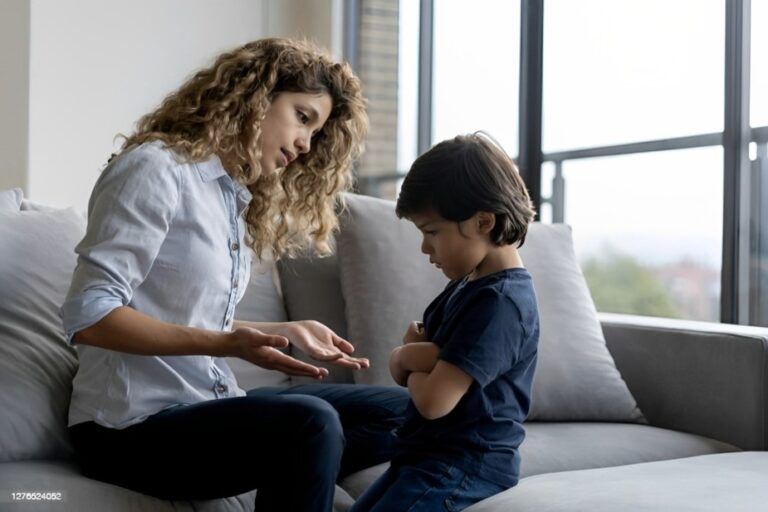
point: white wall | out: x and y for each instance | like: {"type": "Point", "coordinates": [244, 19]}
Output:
{"type": "Point", "coordinates": [317, 20]}
{"type": "Point", "coordinates": [75, 73]}
{"type": "Point", "coordinates": [14, 92]}
{"type": "Point", "coordinates": [97, 66]}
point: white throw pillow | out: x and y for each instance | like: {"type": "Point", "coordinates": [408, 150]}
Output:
{"type": "Point", "coordinates": [36, 364]}
{"type": "Point", "coordinates": [261, 303]}
{"type": "Point", "coordinates": [10, 200]}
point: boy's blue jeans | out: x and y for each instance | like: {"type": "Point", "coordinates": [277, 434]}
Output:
{"type": "Point", "coordinates": [289, 443]}
{"type": "Point", "coordinates": [428, 486]}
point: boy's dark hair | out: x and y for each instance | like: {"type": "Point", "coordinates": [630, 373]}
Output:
{"type": "Point", "coordinates": [465, 175]}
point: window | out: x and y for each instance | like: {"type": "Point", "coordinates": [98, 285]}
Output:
{"type": "Point", "coordinates": [638, 134]}
{"type": "Point", "coordinates": [476, 66]}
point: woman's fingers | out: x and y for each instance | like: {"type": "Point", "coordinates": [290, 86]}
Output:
{"type": "Point", "coordinates": [343, 344]}
{"type": "Point", "coordinates": [354, 363]}
{"type": "Point", "coordinates": [274, 341]}
{"type": "Point", "coordinates": [273, 359]}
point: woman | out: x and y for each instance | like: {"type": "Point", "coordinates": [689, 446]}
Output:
{"type": "Point", "coordinates": [253, 150]}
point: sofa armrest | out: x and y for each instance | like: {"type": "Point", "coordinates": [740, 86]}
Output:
{"type": "Point", "coordinates": [704, 378]}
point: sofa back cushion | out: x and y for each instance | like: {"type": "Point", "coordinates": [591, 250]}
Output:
{"type": "Point", "coordinates": [36, 364]}
{"type": "Point", "coordinates": [387, 282]}
{"type": "Point", "coordinates": [261, 302]}
{"type": "Point", "coordinates": [312, 291]}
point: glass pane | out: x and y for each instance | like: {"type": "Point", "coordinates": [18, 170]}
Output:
{"type": "Point", "coordinates": [758, 101]}
{"type": "Point", "coordinates": [647, 230]}
{"type": "Point", "coordinates": [758, 258]}
{"type": "Point", "coordinates": [633, 70]}
{"type": "Point", "coordinates": [476, 68]}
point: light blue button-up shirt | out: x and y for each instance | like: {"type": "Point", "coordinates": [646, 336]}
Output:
{"type": "Point", "coordinates": [164, 237]}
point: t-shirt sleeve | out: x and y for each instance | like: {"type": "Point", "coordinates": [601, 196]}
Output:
{"type": "Point", "coordinates": [487, 338]}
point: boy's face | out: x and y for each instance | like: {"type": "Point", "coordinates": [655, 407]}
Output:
{"type": "Point", "coordinates": [456, 248]}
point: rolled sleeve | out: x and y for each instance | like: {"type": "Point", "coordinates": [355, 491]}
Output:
{"type": "Point", "coordinates": [131, 209]}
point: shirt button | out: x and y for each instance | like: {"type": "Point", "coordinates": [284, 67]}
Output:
{"type": "Point", "coordinates": [235, 246]}
{"type": "Point", "coordinates": [221, 388]}
{"type": "Point", "coordinates": [235, 284]}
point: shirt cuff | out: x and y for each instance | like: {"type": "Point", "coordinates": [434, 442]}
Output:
{"type": "Point", "coordinates": [81, 312]}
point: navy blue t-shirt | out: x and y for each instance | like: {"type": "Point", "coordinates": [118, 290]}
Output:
{"type": "Point", "coordinates": [489, 328]}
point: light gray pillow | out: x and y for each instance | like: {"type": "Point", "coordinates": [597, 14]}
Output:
{"type": "Point", "coordinates": [36, 364]}
{"type": "Point", "coordinates": [311, 291]}
{"type": "Point", "coordinates": [11, 199]}
{"type": "Point", "coordinates": [387, 282]}
{"type": "Point", "coordinates": [385, 279]}
{"type": "Point", "coordinates": [260, 303]}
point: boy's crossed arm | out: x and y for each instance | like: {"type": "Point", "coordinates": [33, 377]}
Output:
{"type": "Point", "coordinates": [435, 386]}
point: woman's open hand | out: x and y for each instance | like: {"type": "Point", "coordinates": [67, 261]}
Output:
{"type": "Point", "coordinates": [321, 343]}
{"type": "Point", "coordinates": [261, 349]}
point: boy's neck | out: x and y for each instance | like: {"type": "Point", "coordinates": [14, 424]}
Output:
{"type": "Point", "coordinates": [497, 259]}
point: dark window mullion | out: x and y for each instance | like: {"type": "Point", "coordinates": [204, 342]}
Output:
{"type": "Point", "coordinates": [531, 71]}
{"type": "Point", "coordinates": [426, 63]}
{"type": "Point", "coordinates": [734, 305]}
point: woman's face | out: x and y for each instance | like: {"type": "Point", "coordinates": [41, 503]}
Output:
{"type": "Point", "coordinates": [288, 126]}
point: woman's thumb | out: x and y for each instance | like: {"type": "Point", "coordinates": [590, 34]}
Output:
{"type": "Point", "coordinates": [277, 341]}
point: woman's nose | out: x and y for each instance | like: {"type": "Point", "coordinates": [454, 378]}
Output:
{"type": "Point", "coordinates": [302, 144]}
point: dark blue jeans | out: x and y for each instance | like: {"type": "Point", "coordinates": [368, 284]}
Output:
{"type": "Point", "coordinates": [289, 443]}
{"type": "Point", "coordinates": [428, 486]}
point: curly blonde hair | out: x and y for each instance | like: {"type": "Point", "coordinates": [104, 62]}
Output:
{"type": "Point", "coordinates": [219, 112]}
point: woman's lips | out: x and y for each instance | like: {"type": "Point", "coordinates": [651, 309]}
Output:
{"type": "Point", "coordinates": [284, 158]}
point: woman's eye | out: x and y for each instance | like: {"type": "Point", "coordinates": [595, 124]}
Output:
{"type": "Point", "coordinates": [304, 118]}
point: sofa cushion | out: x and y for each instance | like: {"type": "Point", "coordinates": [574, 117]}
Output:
{"type": "Point", "coordinates": [387, 282]}
{"type": "Point", "coordinates": [736, 482]}
{"type": "Point", "coordinates": [312, 291]}
{"type": "Point", "coordinates": [554, 447]}
{"type": "Point", "coordinates": [261, 302]}
{"type": "Point", "coordinates": [86, 495]}
{"type": "Point", "coordinates": [10, 199]}
{"type": "Point", "coordinates": [36, 364]}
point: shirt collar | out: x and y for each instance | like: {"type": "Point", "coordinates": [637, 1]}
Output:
{"type": "Point", "coordinates": [213, 170]}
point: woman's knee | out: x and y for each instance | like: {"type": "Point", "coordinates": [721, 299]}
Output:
{"type": "Point", "coordinates": [318, 417]}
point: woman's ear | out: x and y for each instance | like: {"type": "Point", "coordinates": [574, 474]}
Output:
{"type": "Point", "coordinates": [486, 221]}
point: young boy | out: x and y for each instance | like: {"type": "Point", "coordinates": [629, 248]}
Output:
{"type": "Point", "coordinates": [470, 365]}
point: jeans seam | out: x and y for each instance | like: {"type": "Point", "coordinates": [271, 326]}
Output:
{"type": "Point", "coordinates": [451, 469]}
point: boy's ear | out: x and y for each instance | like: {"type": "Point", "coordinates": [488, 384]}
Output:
{"type": "Point", "coordinates": [486, 221]}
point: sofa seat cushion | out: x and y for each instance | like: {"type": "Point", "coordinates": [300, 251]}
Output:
{"type": "Point", "coordinates": [86, 495]}
{"type": "Point", "coordinates": [554, 447]}
{"type": "Point", "coordinates": [736, 482]}
{"type": "Point", "coordinates": [551, 447]}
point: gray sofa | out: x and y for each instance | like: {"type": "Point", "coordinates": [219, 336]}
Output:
{"type": "Point", "coordinates": [629, 413]}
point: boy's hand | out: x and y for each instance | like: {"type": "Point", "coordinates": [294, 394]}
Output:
{"type": "Point", "coordinates": [415, 333]}
{"type": "Point", "coordinates": [413, 357]}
